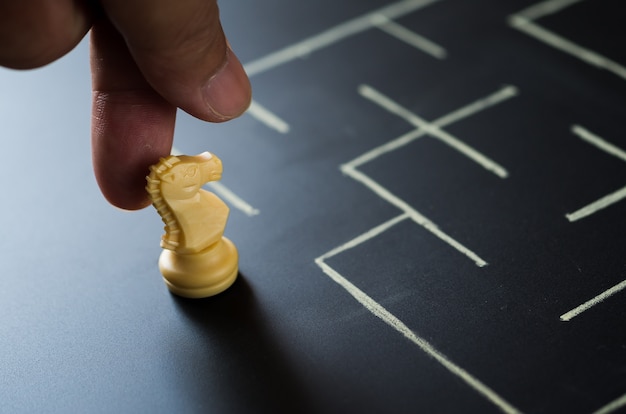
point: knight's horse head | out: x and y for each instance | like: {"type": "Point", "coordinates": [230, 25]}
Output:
{"type": "Point", "coordinates": [174, 186]}
{"type": "Point", "coordinates": [186, 174]}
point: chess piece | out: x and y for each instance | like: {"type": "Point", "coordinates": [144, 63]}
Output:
{"type": "Point", "coordinates": [197, 261]}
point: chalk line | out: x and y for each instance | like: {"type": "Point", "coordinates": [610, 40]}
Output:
{"type": "Point", "coordinates": [385, 148]}
{"type": "Point", "coordinates": [558, 42]}
{"type": "Point", "coordinates": [545, 8]}
{"type": "Point", "coordinates": [609, 199]}
{"type": "Point", "coordinates": [612, 406]}
{"type": "Point", "coordinates": [393, 107]}
{"type": "Point", "coordinates": [598, 142]}
{"type": "Point", "coordinates": [417, 217]}
{"type": "Point", "coordinates": [470, 152]}
{"type": "Point", "coordinates": [226, 194]}
{"type": "Point", "coordinates": [409, 37]}
{"type": "Point", "coordinates": [501, 95]}
{"type": "Point", "coordinates": [268, 118]}
{"type": "Point", "coordinates": [333, 35]}
{"type": "Point", "coordinates": [368, 235]}
{"type": "Point", "coordinates": [597, 205]}
{"type": "Point", "coordinates": [567, 316]}
{"type": "Point", "coordinates": [379, 311]}
{"type": "Point", "coordinates": [466, 111]}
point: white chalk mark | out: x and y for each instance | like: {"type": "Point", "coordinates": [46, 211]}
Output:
{"type": "Point", "coordinates": [567, 46]}
{"type": "Point", "coordinates": [391, 106]}
{"type": "Point", "coordinates": [368, 235]}
{"type": "Point", "coordinates": [545, 8]}
{"type": "Point", "coordinates": [227, 195]}
{"type": "Point", "coordinates": [379, 311]}
{"type": "Point", "coordinates": [523, 21]}
{"type": "Point", "coordinates": [411, 38]}
{"type": "Point", "coordinates": [231, 198]}
{"type": "Point", "coordinates": [412, 213]}
{"type": "Point", "coordinates": [466, 111]}
{"type": "Point", "coordinates": [268, 118]}
{"type": "Point", "coordinates": [598, 142]}
{"type": "Point", "coordinates": [612, 406]}
{"type": "Point", "coordinates": [434, 130]}
{"type": "Point", "coordinates": [609, 199]}
{"type": "Point", "coordinates": [501, 95]}
{"type": "Point", "coordinates": [423, 127]}
{"type": "Point", "coordinates": [597, 205]}
{"type": "Point", "coordinates": [385, 148]}
{"type": "Point", "coordinates": [333, 35]}
{"type": "Point", "coordinates": [470, 152]}
{"type": "Point", "coordinates": [567, 316]}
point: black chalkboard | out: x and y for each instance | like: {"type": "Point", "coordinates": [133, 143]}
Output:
{"type": "Point", "coordinates": [428, 198]}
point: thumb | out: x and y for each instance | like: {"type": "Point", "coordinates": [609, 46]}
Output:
{"type": "Point", "coordinates": [181, 50]}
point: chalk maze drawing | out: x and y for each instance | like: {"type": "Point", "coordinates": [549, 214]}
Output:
{"type": "Point", "coordinates": [436, 130]}
{"type": "Point", "coordinates": [423, 129]}
{"type": "Point", "coordinates": [383, 19]}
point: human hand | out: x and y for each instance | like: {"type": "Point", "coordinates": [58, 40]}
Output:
{"type": "Point", "coordinates": [148, 57]}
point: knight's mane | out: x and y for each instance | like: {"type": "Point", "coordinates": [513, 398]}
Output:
{"type": "Point", "coordinates": [171, 238]}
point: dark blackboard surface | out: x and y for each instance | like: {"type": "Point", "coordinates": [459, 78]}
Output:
{"type": "Point", "coordinates": [444, 274]}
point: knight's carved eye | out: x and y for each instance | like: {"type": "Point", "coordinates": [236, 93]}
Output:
{"type": "Point", "coordinates": [191, 171]}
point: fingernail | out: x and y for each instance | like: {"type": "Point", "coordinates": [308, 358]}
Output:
{"type": "Point", "coordinates": [227, 94]}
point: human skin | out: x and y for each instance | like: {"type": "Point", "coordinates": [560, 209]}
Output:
{"type": "Point", "coordinates": [148, 58]}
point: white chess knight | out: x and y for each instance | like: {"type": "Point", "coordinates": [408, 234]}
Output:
{"type": "Point", "coordinates": [197, 260]}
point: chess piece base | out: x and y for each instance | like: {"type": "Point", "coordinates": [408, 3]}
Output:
{"type": "Point", "coordinates": [202, 274]}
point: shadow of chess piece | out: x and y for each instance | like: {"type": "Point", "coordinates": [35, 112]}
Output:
{"type": "Point", "coordinates": [197, 261]}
